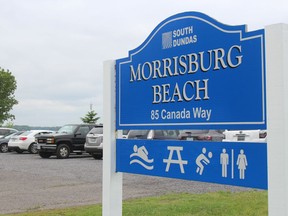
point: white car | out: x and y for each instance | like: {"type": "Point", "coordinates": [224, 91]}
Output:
{"type": "Point", "coordinates": [26, 141]}
{"type": "Point", "coordinates": [245, 136]}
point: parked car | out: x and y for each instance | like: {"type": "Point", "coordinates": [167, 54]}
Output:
{"type": "Point", "coordinates": [202, 135]}
{"type": "Point", "coordinates": [153, 134]}
{"type": "Point", "coordinates": [68, 139]}
{"type": "Point", "coordinates": [26, 141]}
{"type": "Point", "coordinates": [4, 141]}
{"type": "Point", "coordinates": [125, 134]}
{"type": "Point", "coordinates": [245, 136]}
{"type": "Point", "coordinates": [6, 131]}
{"type": "Point", "coordinates": [94, 142]}
{"type": "Point", "coordinates": [137, 134]}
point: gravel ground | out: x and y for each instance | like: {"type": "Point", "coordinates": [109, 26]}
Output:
{"type": "Point", "coordinates": [28, 182]}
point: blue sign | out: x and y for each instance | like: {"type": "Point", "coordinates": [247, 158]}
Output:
{"type": "Point", "coordinates": [239, 164]}
{"type": "Point", "coordinates": [193, 72]}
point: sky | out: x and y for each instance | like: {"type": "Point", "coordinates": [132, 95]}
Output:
{"type": "Point", "coordinates": [56, 48]}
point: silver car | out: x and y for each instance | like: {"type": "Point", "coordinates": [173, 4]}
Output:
{"type": "Point", "coordinates": [94, 142]}
{"type": "Point", "coordinates": [6, 131]}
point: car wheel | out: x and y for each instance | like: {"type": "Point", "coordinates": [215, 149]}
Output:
{"type": "Point", "coordinates": [97, 156]}
{"type": "Point", "coordinates": [33, 148]}
{"type": "Point", "coordinates": [63, 151]}
{"type": "Point", "coordinates": [4, 147]}
{"type": "Point", "coordinates": [45, 154]}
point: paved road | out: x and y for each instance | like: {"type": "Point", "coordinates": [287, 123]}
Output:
{"type": "Point", "coordinates": [28, 182]}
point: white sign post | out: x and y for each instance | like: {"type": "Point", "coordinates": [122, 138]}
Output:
{"type": "Point", "coordinates": [277, 117]}
{"type": "Point", "coordinates": [112, 181]}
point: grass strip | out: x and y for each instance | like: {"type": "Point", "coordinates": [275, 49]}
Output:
{"type": "Point", "coordinates": [247, 203]}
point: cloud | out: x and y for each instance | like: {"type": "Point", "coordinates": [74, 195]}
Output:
{"type": "Point", "coordinates": [47, 106]}
{"type": "Point", "coordinates": [46, 112]}
{"type": "Point", "coordinates": [56, 48]}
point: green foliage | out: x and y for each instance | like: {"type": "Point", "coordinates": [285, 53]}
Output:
{"type": "Point", "coordinates": [208, 204]}
{"type": "Point", "coordinates": [8, 86]}
{"type": "Point", "coordinates": [249, 203]}
{"type": "Point", "coordinates": [90, 117]}
{"type": "Point", "coordinates": [9, 124]}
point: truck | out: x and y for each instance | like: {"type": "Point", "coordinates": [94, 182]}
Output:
{"type": "Point", "coordinates": [68, 139]}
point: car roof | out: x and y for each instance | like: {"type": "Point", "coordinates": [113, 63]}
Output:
{"type": "Point", "coordinates": [82, 124]}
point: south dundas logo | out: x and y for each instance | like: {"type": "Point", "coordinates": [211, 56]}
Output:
{"type": "Point", "coordinates": [167, 40]}
{"type": "Point", "coordinates": [179, 37]}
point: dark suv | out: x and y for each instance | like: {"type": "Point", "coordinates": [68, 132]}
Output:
{"type": "Point", "coordinates": [68, 139]}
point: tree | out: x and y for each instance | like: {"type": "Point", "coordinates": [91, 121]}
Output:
{"type": "Point", "coordinates": [90, 117]}
{"type": "Point", "coordinates": [9, 124]}
{"type": "Point", "coordinates": [8, 86]}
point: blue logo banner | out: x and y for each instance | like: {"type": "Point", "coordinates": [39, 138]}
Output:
{"type": "Point", "coordinates": [238, 164]}
{"type": "Point", "coordinates": [193, 72]}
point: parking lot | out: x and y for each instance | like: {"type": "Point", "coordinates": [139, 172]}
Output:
{"type": "Point", "coordinates": [29, 182]}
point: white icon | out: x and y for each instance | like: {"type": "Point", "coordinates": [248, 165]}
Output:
{"type": "Point", "coordinates": [242, 164]}
{"type": "Point", "coordinates": [224, 161]}
{"type": "Point", "coordinates": [178, 161]}
{"type": "Point", "coordinates": [141, 153]}
{"type": "Point", "coordinates": [202, 159]}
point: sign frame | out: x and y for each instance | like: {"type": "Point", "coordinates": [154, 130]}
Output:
{"type": "Point", "coordinates": [192, 118]}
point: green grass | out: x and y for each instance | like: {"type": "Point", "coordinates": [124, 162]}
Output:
{"type": "Point", "coordinates": [254, 203]}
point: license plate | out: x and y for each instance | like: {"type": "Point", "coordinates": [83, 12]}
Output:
{"type": "Point", "coordinates": [241, 137]}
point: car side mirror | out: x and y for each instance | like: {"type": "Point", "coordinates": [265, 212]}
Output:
{"type": "Point", "coordinates": [77, 134]}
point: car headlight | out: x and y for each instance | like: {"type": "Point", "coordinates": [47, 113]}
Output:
{"type": "Point", "coordinates": [50, 141]}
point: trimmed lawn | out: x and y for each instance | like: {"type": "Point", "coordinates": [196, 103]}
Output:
{"type": "Point", "coordinates": [254, 203]}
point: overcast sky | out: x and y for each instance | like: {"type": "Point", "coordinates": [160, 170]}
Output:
{"type": "Point", "coordinates": [56, 48]}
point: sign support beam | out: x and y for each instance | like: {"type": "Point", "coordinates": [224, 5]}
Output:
{"type": "Point", "coordinates": [277, 117]}
{"type": "Point", "coordinates": [112, 181]}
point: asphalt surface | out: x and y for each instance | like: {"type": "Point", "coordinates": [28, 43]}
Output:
{"type": "Point", "coordinates": [29, 182]}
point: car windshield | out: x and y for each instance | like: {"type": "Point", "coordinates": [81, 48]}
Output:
{"type": "Point", "coordinates": [67, 129]}
{"type": "Point", "coordinates": [125, 132]}
{"type": "Point", "coordinates": [10, 135]}
{"type": "Point", "coordinates": [26, 133]}
{"type": "Point", "coordinates": [163, 134]}
{"type": "Point", "coordinates": [98, 130]}
{"type": "Point", "coordinates": [4, 131]}
{"type": "Point", "coordinates": [138, 134]}
{"type": "Point", "coordinates": [17, 134]}
{"type": "Point", "coordinates": [171, 133]}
